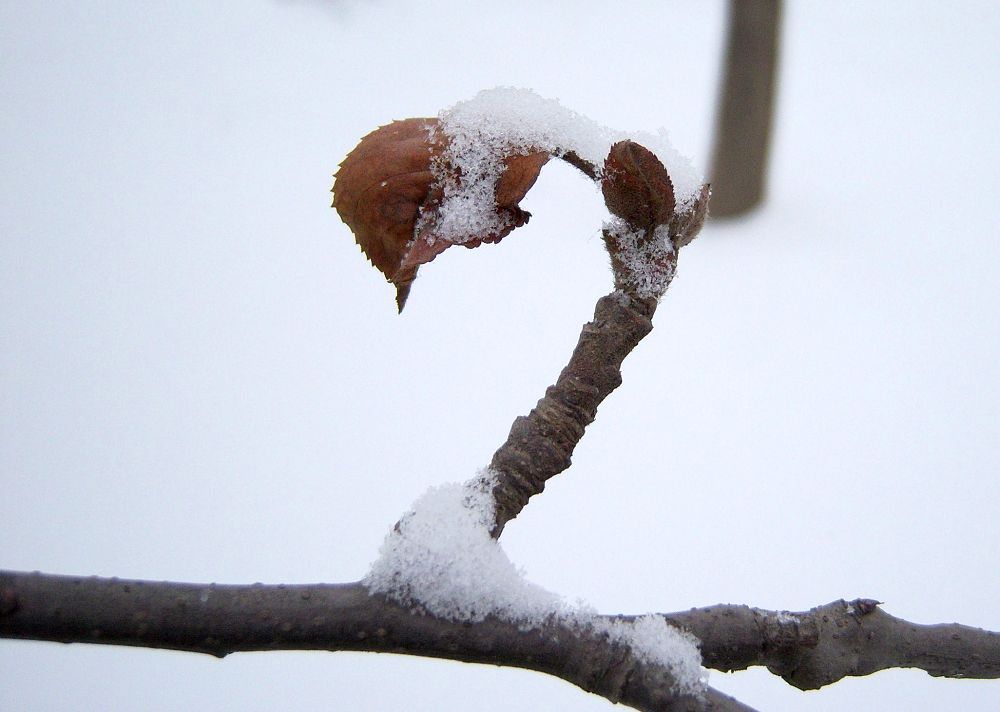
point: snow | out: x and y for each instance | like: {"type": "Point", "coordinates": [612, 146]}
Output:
{"type": "Point", "coordinates": [507, 121]}
{"type": "Point", "coordinates": [654, 641]}
{"type": "Point", "coordinates": [647, 263]}
{"type": "Point", "coordinates": [441, 557]}
{"type": "Point", "coordinates": [441, 560]}
{"type": "Point", "coordinates": [781, 617]}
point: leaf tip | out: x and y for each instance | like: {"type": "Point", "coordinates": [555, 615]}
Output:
{"type": "Point", "coordinates": [402, 293]}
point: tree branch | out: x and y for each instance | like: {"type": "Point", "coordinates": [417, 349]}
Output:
{"type": "Point", "coordinates": [643, 245]}
{"type": "Point", "coordinates": [540, 444]}
{"type": "Point", "coordinates": [808, 649]}
{"type": "Point", "coordinates": [218, 620]}
{"type": "Point", "coordinates": [840, 639]}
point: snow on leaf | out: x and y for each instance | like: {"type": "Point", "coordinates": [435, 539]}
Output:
{"type": "Point", "coordinates": [413, 188]}
{"type": "Point", "coordinates": [390, 188]}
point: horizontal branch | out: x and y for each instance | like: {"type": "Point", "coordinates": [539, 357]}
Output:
{"type": "Point", "coordinates": [840, 639]}
{"type": "Point", "coordinates": [223, 619]}
{"type": "Point", "coordinates": [808, 649]}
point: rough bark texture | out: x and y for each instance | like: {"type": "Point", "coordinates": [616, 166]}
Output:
{"type": "Point", "coordinates": [540, 444]}
{"type": "Point", "coordinates": [746, 106]}
{"type": "Point", "coordinates": [841, 639]}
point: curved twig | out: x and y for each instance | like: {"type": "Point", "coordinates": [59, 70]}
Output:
{"type": "Point", "coordinates": [540, 444]}
{"type": "Point", "coordinates": [643, 248]}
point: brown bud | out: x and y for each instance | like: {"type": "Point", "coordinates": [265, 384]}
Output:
{"type": "Point", "coordinates": [685, 226]}
{"type": "Point", "coordinates": [637, 187]}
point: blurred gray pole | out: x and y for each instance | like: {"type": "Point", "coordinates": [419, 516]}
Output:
{"type": "Point", "coordinates": [743, 123]}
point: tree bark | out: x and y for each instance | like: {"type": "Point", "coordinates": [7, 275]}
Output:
{"type": "Point", "coordinates": [808, 649]}
{"type": "Point", "coordinates": [219, 620]}
{"type": "Point", "coordinates": [540, 444]}
{"type": "Point", "coordinates": [841, 639]}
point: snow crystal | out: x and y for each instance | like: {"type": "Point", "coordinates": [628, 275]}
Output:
{"type": "Point", "coordinates": [655, 641]}
{"type": "Point", "coordinates": [507, 121]}
{"type": "Point", "coordinates": [440, 559]}
{"type": "Point", "coordinates": [781, 617]}
{"type": "Point", "coordinates": [647, 263]}
{"type": "Point", "coordinates": [441, 556]}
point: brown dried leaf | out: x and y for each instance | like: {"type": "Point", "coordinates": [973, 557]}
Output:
{"type": "Point", "coordinates": [520, 173]}
{"type": "Point", "coordinates": [637, 187]}
{"type": "Point", "coordinates": [379, 189]}
{"type": "Point", "coordinates": [385, 184]}
{"type": "Point", "coordinates": [518, 177]}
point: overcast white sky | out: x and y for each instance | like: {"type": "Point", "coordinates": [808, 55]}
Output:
{"type": "Point", "coordinates": [202, 380]}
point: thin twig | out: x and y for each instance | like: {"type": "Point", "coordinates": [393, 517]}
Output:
{"type": "Point", "coordinates": [540, 444]}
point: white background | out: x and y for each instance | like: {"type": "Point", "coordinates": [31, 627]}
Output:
{"type": "Point", "coordinates": [201, 379]}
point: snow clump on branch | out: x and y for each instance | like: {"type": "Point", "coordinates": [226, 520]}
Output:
{"type": "Point", "coordinates": [441, 560]}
